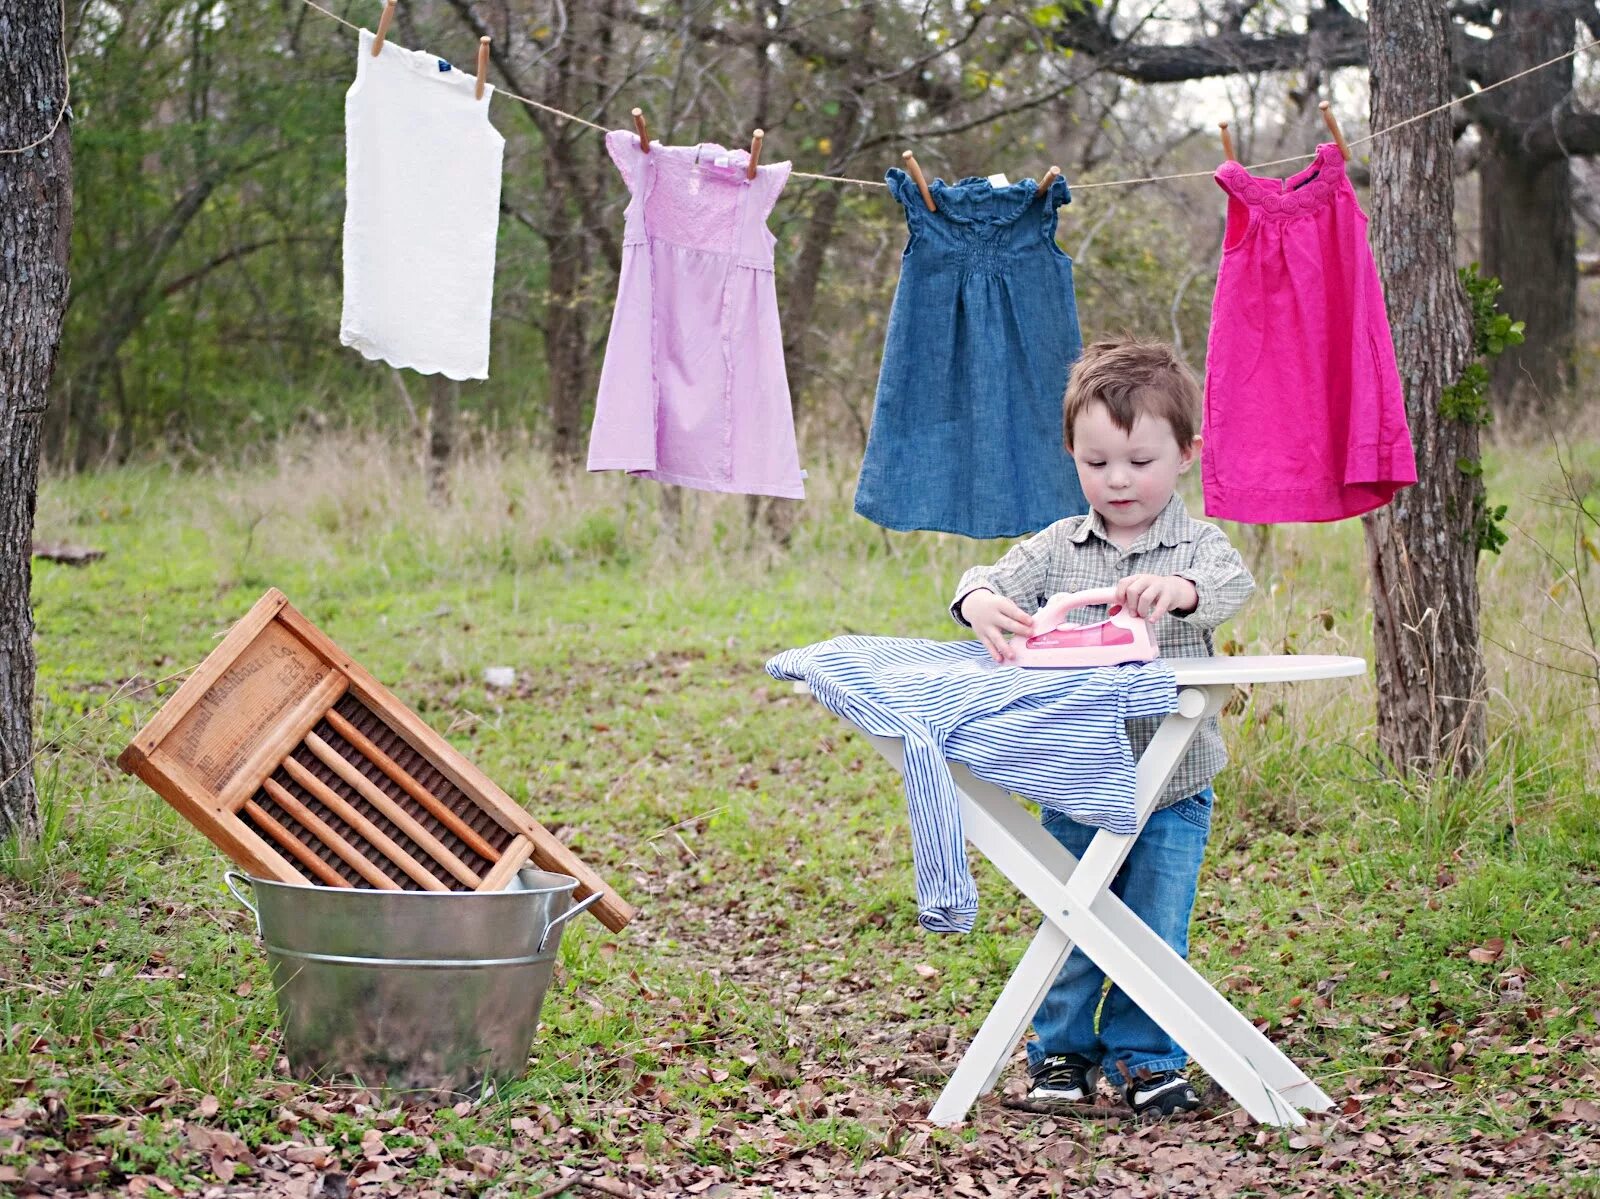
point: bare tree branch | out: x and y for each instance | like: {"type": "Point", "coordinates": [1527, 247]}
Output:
{"type": "Point", "coordinates": [1340, 37]}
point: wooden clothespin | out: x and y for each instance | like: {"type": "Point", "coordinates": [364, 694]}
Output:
{"type": "Point", "coordinates": [915, 172]}
{"type": "Point", "coordinates": [483, 64]}
{"type": "Point", "coordinates": [642, 129]}
{"type": "Point", "coordinates": [383, 28]}
{"type": "Point", "coordinates": [755, 153]}
{"type": "Point", "coordinates": [1227, 142]}
{"type": "Point", "coordinates": [1050, 177]}
{"type": "Point", "coordinates": [1332, 123]}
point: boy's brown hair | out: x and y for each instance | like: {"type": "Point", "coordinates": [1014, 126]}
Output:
{"type": "Point", "coordinates": [1133, 378]}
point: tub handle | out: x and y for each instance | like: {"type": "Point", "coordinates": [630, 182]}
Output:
{"type": "Point", "coordinates": [567, 915]}
{"type": "Point", "coordinates": [228, 877]}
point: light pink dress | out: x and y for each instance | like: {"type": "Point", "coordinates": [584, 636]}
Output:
{"type": "Point", "coordinates": [693, 390]}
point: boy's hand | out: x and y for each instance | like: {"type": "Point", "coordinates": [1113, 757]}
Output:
{"type": "Point", "coordinates": [992, 617]}
{"type": "Point", "coordinates": [1153, 596]}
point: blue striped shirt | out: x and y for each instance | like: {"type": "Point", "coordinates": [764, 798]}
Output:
{"type": "Point", "coordinates": [1057, 736]}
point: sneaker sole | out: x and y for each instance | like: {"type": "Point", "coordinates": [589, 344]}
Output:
{"type": "Point", "coordinates": [1152, 1107]}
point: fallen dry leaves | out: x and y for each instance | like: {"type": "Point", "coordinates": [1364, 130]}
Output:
{"type": "Point", "coordinates": [1489, 951]}
{"type": "Point", "coordinates": [1387, 1136]}
{"type": "Point", "coordinates": [846, 1116]}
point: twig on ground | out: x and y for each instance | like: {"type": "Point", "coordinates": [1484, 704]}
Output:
{"type": "Point", "coordinates": [122, 691]}
{"type": "Point", "coordinates": [605, 1186]}
{"type": "Point", "coordinates": [570, 1182]}
{"type": "Point", "coordinates": [695, 819]}
{"type": "Point", "coordinates": [616, 784]}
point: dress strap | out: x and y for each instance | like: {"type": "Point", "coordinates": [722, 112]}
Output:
{"type": "Point", "coordinates": [1236, 181]}
{"type": "Point", "coordinates": [623, 146]}
{"type": "Point", "coordinates": [1313, 184]}
{"type": "Point", "coordinates": [1055, 196]}
{"type": "Point", "coordinates": [904, 188]}
{"type": "Point", "coordinates": [771, 178]}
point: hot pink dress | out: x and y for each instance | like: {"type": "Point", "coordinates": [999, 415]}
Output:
{"type": "Point", "coordinates": [693, 390]}
{"type": "Point", "coordinates": [1304, 415]}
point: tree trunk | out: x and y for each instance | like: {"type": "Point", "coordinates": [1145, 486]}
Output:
{"type": "Point", "coordinates": [1526, 206]}
{"type": "Point", "coordinates": [566, 342]}
{"type": "Point", "coordinates": [577, 170]}
{"type": "Point", "coordinates": [35, 231]}
{"type": "Point", "coordinates": [569, 362]}
{"type": "Point", "coordinates": [444, 399]}
{"type": "Point", "coordinates": [1422, 549]}
{"type": "Point", "coordinates": [799, 296]}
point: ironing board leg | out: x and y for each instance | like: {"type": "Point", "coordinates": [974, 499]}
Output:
{"type": "Point", "coordinates": [1041, 869]}
{"type": "Point", "coordinates": [1004, 1026]}
{"type": "Point", "coordinates": [1106, 853]}
{"type": "Point", "coordinates": [1276, 1069]}
{"type": "Point", "coordinates": [1161, 997]}
{"type": "Point", "coordinates": [1078, 905]}
{"type": "Point", "coordinates": [1038, 866]}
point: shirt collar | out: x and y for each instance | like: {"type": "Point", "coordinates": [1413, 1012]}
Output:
{"type": "Point", "coordinates": [1171, 527]}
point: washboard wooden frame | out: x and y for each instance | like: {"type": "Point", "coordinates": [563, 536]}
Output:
{"type": "Point", "coordinates": [303, 768]}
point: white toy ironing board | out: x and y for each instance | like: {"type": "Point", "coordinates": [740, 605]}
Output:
{"type": "Point", "coordinates": [1075, 897]}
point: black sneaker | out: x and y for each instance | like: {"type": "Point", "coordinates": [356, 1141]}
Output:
{"type": "Point", "coordinates": [1061, 1080]}
{"type": "Point", "coordinates": [1161, 1094]}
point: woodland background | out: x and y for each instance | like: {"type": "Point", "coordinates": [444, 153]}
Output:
{"type": "Point", "coordinates": [208, 140]}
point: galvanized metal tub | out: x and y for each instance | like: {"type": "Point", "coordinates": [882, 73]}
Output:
{"type": "Point", "coordinates": [431, 993]}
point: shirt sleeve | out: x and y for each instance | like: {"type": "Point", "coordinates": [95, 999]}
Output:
{"type": "Point", "coordinates": [1220, 578]}
{"type": "Point", "coordinates": [1019, 576]}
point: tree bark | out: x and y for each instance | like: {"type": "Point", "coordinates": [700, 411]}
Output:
{"type": "Point", "coordinates": [1529, 241]}
{"type": "Point", "coordinates": [572, 172]}
{"type": "Point", "coordinates": [566, 341]}
{"type": "Point", "coordinates": [1338, 38]}
{"type": "Point", "coordinates": [1422, 549]}
{"type": "Point", "coordinates": [35, 231]}
{"type": "Point", "coordinates": [444, 399]}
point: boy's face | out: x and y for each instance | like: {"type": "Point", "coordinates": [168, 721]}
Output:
{"type": "Point", "coordinates": [1128, 477]}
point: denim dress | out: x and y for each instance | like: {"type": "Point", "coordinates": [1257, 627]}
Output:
{"type": "Point", "coordinates": [966, 427]}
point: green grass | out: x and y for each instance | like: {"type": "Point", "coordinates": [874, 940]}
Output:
{"type": "Point", "coordinates": [767, 1000]}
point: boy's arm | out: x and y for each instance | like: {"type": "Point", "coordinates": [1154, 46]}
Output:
{"type": "Point", "coordinates": [1220, 579]}
{"type": "Point", "coordinates": [1019, 575]}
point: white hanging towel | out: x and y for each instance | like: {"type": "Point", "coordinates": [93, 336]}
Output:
{"type": "Point", "coordinates": [422, 207]}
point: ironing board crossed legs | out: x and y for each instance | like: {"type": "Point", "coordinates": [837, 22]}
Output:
{"type": "Point", "coordinates": [1075, 898]}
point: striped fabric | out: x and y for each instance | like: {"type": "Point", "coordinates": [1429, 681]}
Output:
{"type": "Point", "coordinates": [1075, 554]}
{"type": "Point", "coordinates": [1056, 736]}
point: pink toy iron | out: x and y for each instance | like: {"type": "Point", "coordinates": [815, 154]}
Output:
{"type": "Point", "coordinates": [1123, 637]}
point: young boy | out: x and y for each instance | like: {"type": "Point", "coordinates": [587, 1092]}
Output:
{"type": "Point", "coordinates": [1129, 422]}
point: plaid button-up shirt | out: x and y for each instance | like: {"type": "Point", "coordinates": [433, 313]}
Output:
{"type": "Point", "coordinates": [1076, 554]}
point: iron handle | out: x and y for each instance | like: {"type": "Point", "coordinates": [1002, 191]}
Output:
{"type": "Point", "coordinates": [1058, 605]}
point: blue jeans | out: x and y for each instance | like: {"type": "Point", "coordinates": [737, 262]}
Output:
{"type": "Point", "coordinates": [1158, 882]}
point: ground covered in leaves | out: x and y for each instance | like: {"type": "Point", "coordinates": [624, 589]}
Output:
{"type": "Point", "coordinates": [773, 1023]}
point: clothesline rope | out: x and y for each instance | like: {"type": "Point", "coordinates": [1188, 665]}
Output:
{"type": "Point", "coordinates": [500, 90]}
{"type": "Point", "coordinates": [1078, 187]}
{"type": "Point", "coordinates": [1357, 141]}
{"type": "Point", "coordinates": [568, 116]}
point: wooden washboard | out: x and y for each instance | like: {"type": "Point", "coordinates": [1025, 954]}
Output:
{"type": "Point", "coordinates": [303, 768]}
